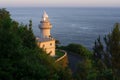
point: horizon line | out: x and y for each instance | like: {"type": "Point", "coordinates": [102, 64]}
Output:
{"type": "Point", "coordinates": [60, 6]}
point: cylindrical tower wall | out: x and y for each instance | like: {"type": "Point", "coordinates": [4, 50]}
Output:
{"type": "Point", "coordinates": [45, 33]}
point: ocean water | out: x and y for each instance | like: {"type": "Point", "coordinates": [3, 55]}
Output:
{"type": "Point", "coordinates": [71, 25]}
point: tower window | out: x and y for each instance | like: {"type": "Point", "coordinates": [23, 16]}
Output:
{"type": "Point", "coordinates": [50, 44]}
{"type": "Point", "coordinates": [50, 52]}
{"type": "Point", "coordinates": [43, 46]}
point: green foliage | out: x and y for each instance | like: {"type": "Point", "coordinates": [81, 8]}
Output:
{"type": "Point", "coordinates": [107, 54]}
{"type": "Point", "coordinates": [59, 53]}
{"type": "Point", "coordinates": [5, 19]}
{"type": "Point", "coordinates": [83, 70]}
{"type": "Point", "coordinates": [27, 36]}
{"type": "Point", "coordinates": [77, 48]}
{"type": "Point", "coordinates": [115, 50]}
{"type": "Point", "coordinates": [65, 74]}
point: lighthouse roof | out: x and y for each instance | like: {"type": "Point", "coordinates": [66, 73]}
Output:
{"type": "Point", "coordinates": [45, 16]}
{"type": "Point", "coordinates": [45, 23]}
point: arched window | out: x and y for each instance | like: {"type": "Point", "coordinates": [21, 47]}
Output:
{"type": "Point", "coordinates": [43, 46]}
{"type": "Point", "coordinates": [50, 44]}
{"type": "Point", "coordinates": [50, 52]}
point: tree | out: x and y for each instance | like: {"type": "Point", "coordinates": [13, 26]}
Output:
{"type": "Point", "coordinates": [108, 53]}
{"type": "Point", "coordinates": [27, 35]}
{"type": "Point", "coordinates": [84, 69]}
{"type": "Point", "coordinates": [115, 50]}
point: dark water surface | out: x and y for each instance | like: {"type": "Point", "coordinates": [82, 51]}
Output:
{"type": "Point", "coordinates": [71, 25]}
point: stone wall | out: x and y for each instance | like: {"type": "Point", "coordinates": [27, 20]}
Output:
{"type": "Point", "coordinates": [63, 61]}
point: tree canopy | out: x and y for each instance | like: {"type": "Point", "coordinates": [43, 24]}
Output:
{"type": "Point", "coordinates": [107, 54]}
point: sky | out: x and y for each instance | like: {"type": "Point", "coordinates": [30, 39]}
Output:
{"type": "Point", "coordinates": [59, 3]}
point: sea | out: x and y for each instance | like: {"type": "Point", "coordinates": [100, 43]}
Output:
{"type": "Point", "coordinates": [81, 25]}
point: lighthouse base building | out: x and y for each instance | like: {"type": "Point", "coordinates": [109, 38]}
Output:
{"type": "Point", "coordinates": [46, 42]}
{"type": "Point", "coordinates": [47, 45]}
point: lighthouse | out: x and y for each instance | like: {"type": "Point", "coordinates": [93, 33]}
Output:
{"type": "Point", "coordinates": [46, 41]}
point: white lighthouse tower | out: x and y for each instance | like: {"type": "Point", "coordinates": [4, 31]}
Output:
{"type": "Point", "coordinates": [46, 41]}
{"type": "Point", "coordinates": [45, 26]}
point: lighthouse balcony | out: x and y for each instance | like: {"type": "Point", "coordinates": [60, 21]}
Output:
{"type": "Point", "coordinates": [45, 26]}
{"type": "Point", "coordinates": [44, 39]}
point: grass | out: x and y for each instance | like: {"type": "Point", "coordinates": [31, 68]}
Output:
{"type": "Point", "coordinates": [59, 54]}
